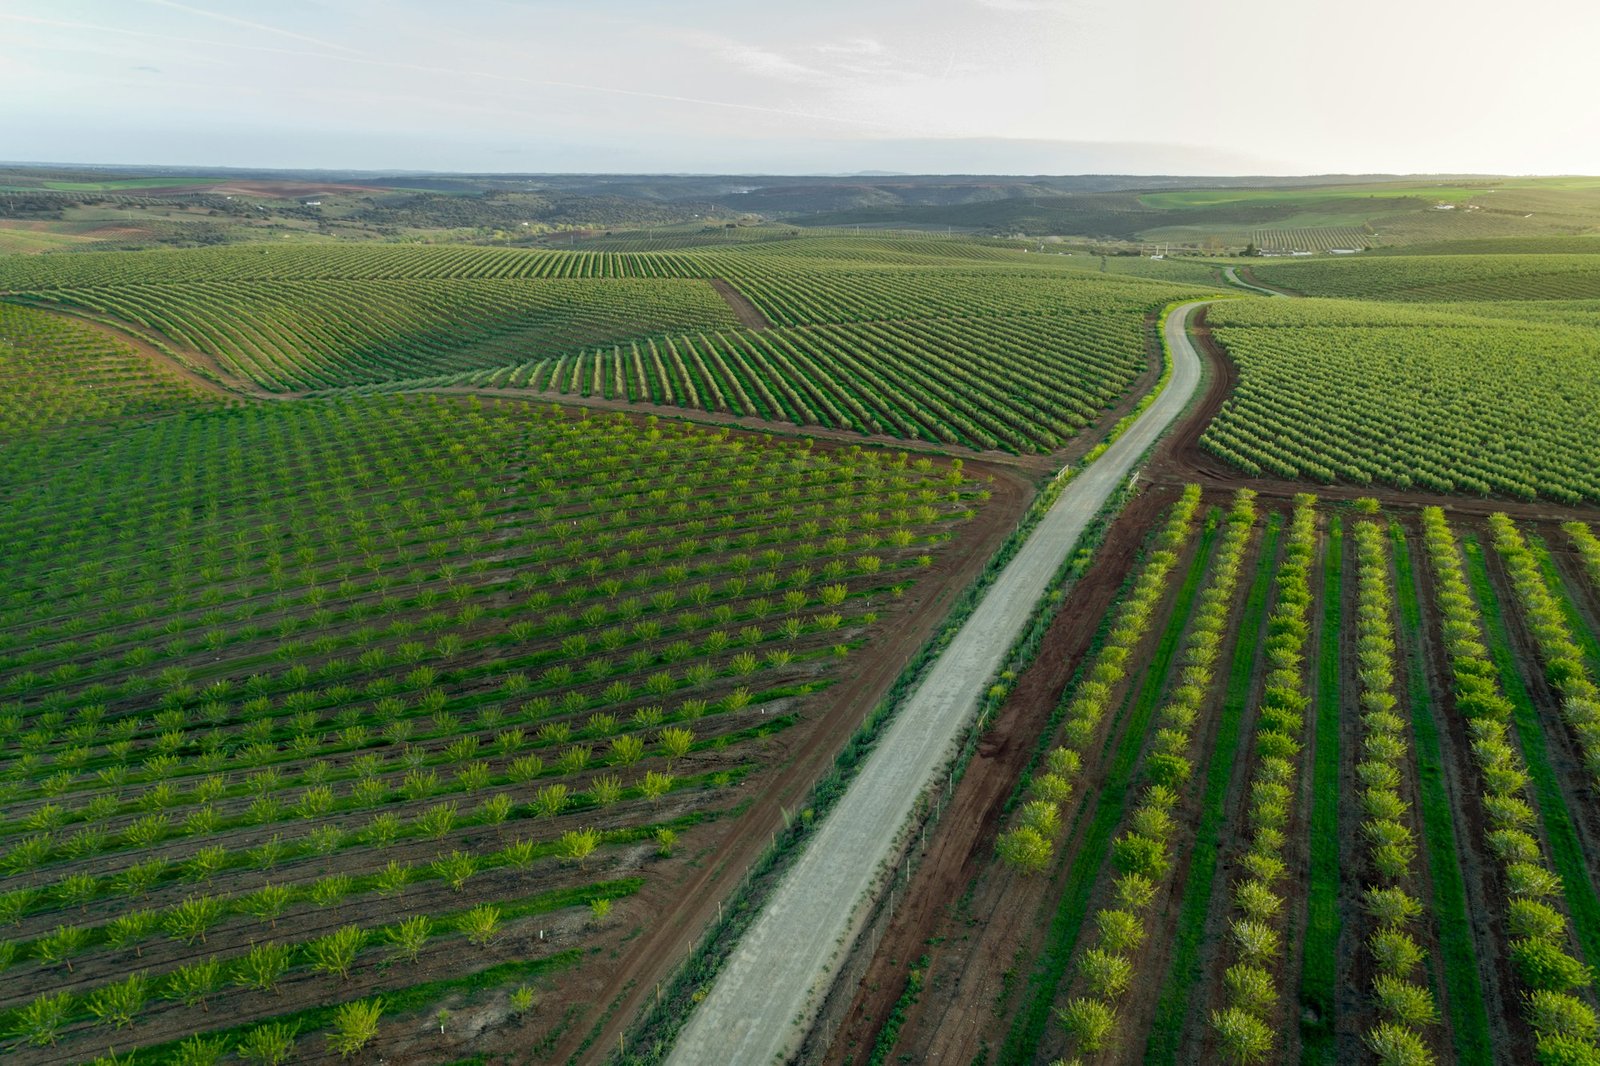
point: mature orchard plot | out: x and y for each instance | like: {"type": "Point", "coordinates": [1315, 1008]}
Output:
{"type": "Point", "coordinates": [299, 335]}
{"type": "Point", "coordinates": [1410, 397]}
{"type": "Point", "coordinates": [942, 341]}
{"type": "Point", "coordinates": [1438, 279]}
{"type": "Point", "coordinates": [300, 701]}
{"type": "Point", "coordinates": [1447, 837]}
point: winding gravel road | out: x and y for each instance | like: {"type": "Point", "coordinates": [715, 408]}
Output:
{"type": "Point", "coordinates": [763, 1001]}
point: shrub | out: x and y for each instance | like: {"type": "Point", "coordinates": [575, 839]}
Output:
{"type": "Point", "coordinates": [1091, 1021]}
{"type": "Point", "coordinates": [1560, 1014]}
{"type": "Point", "coordinates": [1546, 967]}
{"type": "Point", "coordinates": [354, 1026]}
{"type": "Point", "coordinates": [1106, 973]}
{"type": "Point", "coordinates": [1395, 1045]}
{"type": "Point", "coordinates": [1025, 850]}
{"type": "Point", "coordinates": [1244, 1038]}
{"type": "Point", "coordinates": [1404, 1003]}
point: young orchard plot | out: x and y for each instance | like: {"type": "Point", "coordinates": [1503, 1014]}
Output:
{"type": "Point", "coordinates": [1318, 795]}
{"type": "Point", "coordinates": [53, 373]}
{"type": "Point", "coordinates": [920, 339]}
{"type": "Point", "coordinates": [293, 696]}
{"type": "Point", "coordinates": [1332, 390]}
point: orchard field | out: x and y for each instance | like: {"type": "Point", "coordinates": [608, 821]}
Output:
{"type": "Point", "coordinates": [304, 703]}
{"type": "Point", "coordinates": [1318, 791]}
{"type": "Point", "coordinates": [406, 650]}
{"type": "Point", "coordinates": [948, 342]}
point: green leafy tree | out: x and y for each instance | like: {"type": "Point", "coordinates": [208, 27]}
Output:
{"type": "Point", "coordinates": [408, 937]}
{"type": "Point", "coordinates": [262, 967]}
{"type": "Point", "coordinates": [1025, 850]}
{"type": "Point", "coordinates": [58, 947]}
{"type": "Point", "coordinates": [480, 924]}
{"type": "Point", "coordinates": [355, 1025]}
{"type": "Point", "coordinates": [336, 953]}
{"type": "Point", "coordinates": [117, 1005]}
{"type": "Point", "coordinates": [190, 920]}
{"type": "Point", "coordinates": [193, 984]}
{"type": "Point", "coordinates": [271, 1044]}
{"type": "Point", "coordinates": [576, 845]}
{"type": "Point", "coordinates": [39, 1023]}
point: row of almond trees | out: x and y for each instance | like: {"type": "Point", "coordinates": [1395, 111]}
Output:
{"type": "Point", "coordinates": [1029, 845]}
{"type": "Point", "coordinates": [1557, 984]}
{"type": "Point", "coordinates": [1143, 853]}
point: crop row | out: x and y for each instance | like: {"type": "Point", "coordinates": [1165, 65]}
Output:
{"type": "Point", "coordinates": [1405, 1004]}
{"type": "Point", "coordinates": [1244, 1027]}
{"type": "Point", "coordinates": [1029, 846]}
{"type": "Point", "coordinates": [1017, 384]}
{"type": "Point", "coordinates": [1588, 546]}
{"type": "Point", "coordinates": [1142, 853]}
{"type": "Point", "coordinates": [54, 373]}
{"type": "Point", "coordinates": [308, 335]}
{"type": "Point", "coordinates": [1563, 659]}
{"type": "Point", "coordinates": [1441, 277]}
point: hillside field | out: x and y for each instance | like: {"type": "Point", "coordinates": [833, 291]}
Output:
{"type": "Point", "coordinates": [409, 651]}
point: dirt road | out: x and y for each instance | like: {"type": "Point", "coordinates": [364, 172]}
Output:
{"type": "Point", "coordinates": [762, 1003]}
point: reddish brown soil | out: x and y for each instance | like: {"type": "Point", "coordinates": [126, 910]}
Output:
{"type": "Point", "coordinates": [679, 902]}
{"type": "Point", "coordinates": [748, 314]}
{"type": "Point", "coordinates": [118, 233]}
{"type": "Point", "coordinates": [1154, 959]}
{"type": "Point", "coordinates": [272, 190]}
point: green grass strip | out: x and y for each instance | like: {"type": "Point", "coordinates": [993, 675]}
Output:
{"type": "Point", "coordinates": [1565, 851]}
{"type": "Point", "coordinates": [1183, 974]}
{"type": "Point", "coordinates": [396, 1002]}
{"type": "Point", "coordinates": [1062, 936]}
{"type": "Point", "coordinates": [1469, 1020]}
{"type": "Point", "coordinates": [1322, 899]}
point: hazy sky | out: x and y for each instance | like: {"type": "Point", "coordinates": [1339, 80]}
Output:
{"type": "Point", "coordinates": [998, 86]}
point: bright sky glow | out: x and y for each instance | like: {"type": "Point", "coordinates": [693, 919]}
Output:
{"type": "Point", "coordinates": [975, 86]}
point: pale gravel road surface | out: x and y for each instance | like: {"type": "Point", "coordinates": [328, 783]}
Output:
{"type": "Point", "coordinates": [764, 1000]}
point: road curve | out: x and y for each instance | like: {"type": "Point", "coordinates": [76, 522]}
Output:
{"type": "Point", "coordinates": [1237, 280]}
{"type": "Point", "coordinates": [768, 992]}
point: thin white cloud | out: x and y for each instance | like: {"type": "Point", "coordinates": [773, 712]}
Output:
{"type": "Point", "coordinates": [454, 73]}
{"type": "Point", "coordinates": [250, 25]}
{"type": "Point", "coordinates": [754, 59]}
